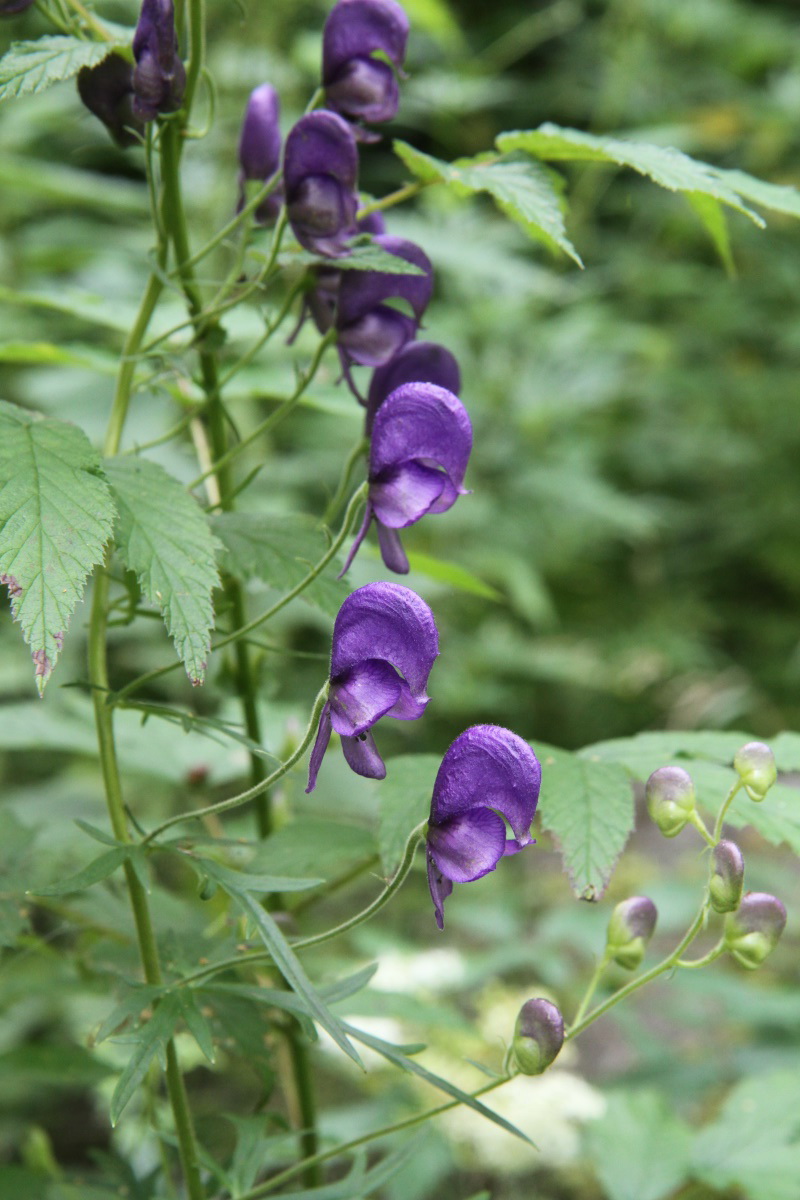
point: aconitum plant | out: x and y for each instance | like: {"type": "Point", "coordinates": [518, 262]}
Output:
{"type": "Point", "coordinates": [230, 883]}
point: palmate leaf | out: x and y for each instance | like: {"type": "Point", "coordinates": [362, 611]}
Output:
{"type": "Point", "coordinates": [523, 190]}
{"type": "Point", "coordinates": [164, 538]}
{"type": "Point", "coordinates": [151, 1039]}
{"type": "Point", "coordinates": [56, 514]}
{"type": "Point", "coordinates": [36, 66]}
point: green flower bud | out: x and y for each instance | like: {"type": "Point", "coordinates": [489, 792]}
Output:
{"type": "Point", "coordinates": [670, 799]}
{"type": "Point", "coordinates": [755, 766]}
{"type": "Point", "coordinates": [538, 1036]}
{"type": "Point", "coordinates": [752, 932]}
{"type": "Point", "coordinates": [727, 878]}
{"type": "Point", "coordinates": [629, 930]}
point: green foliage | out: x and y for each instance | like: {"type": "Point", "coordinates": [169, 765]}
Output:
{"type": "Point", "coordinates": [56, 514]}
{"type": "Point", "coordinates": [151, 1039]}
{"type": "Point", "coordinates": [36, 66]}
{"type": "Point", "coordinates": [405, 799]}
{"type": "Point", "coordinates": [639, 1147]}
{"type": "Point", "coordinates": [165, 540]}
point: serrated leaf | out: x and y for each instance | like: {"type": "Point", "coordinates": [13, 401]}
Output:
{"type": "Point", "coordinates": [277, 550]}
{"type": "Point", "coordinates": [775, 196]}
{"type": "Point", "coordinates": [98, 869]}
{"type": "Point", "coordinates": [164, 538]}
{"type": "Point", "coordinates": [639, 1147]}
{"type": "Point", "coordinates": [364, 257]}
{"type": "Point", "coordinates": [151, 1040]}
{"type": "Point", "coordinates": [523, 190]}
{"type": "Point", "coordinates": [56, 515]}
{"type": "Point", "coordinates": [588, 807]}
{"type": "Point", "coordinates": [405, 799]}
{"type": "Point", "coordinates": [35, 66]}
{"type": "Point", "coordinates": [670, 168]}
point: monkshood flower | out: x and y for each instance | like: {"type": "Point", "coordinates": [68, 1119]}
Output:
{"type": "Point", "coordinates": [420, 447]}
{"type": "Point", "coordinates": [487, 777]}
{"type": "Point", "coordinates": [107, 91]}
{"type": "Point", "coordinates": [670, 799]}
{"type": "Point", "coordinates": [370, 331]}
{"type": "Point", "coordinates": [629, 930]}
{"type": "Point", "coordinates": [755, 766]}
{"type": "Point", "coordinates": [159, 77]}
{"type": "Point", "coordinates": [753, 931]}
{"type": "Point", "coordinates": [538, 1036]}
{"type": "Point", "coordinates": [320, 169]}
{"type": "Point", "coordinates": [384, 645]}
{"type": "Point", "coordinates": [321, 300]}
{"type": "Point", "coordinates": [357, 84]}
{"type": "Point", "coordinates": [260, 149]}
{"type": "Point", "coordinates": [727, 877]}
{"type": "Point", "coordinates": [417, 362]}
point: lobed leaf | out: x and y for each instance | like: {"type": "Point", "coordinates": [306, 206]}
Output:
{"type": "Point", "coordinates": [150, 1040]}
{"type": "Point", "coordinates": [56, 515]}
{"type": "Point", "coordinates": [35, 66]}
{"type": "Point", "coordinates": [639, 1147]}
{"type": "Point", "coordinates": [164, 538]}
{"type": "Point", "coordinates": [99, 868]}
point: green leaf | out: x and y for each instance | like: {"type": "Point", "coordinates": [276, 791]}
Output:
{"type": "Point", "coordinates": [775, 196]}
{"type": "Point", "coordinates": [99, 868]}
{"type": "Point", "coordinates": [279, 551]}
{"type": "Point", "coordinates": [286, 961]}
{"type": "Point", "coordinates": [365, 256]}
{"type": "Point", "coordinates": [16, 848]}
{"type": "Point", "coordinates": [241, 881]}
{"type": "Point", "coordinates": [47, 354]}
{"type": "Point", "coordinates": [453, 574]}
{"type": "Point", "coordinates": [36, 66]}
{"type": "Point", "coordinates": [755, 1142]}
{"type": "Point", "coordinates": [151, 1039]}
{"type": "Point", "coordinates": [165, 540]}
{"type": "Point", "coordinates": [308, 847]}
{"type": "Point", "coordinates": [358, 1184]}
{"type": "Point", "coordinates": [639, 1147]}
{"type": "Point", "coordinates": [56, 515]}
{"type": "Point", "coordinates": [522, 190]}
{"type": "Point", "coordinates": [670, 168]}
{"type": "Point", "coordinates": [588, 807]}
{"type": "Point", "coordinates": [196, 1023]}
{"type": "Point", "coordinates": [405, 799]}
{"type": "Point", "coordinates": [137, 998]}
{"type": "Point", "coordinates": [712, 215]}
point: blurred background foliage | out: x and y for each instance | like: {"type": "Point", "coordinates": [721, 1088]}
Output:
{"type": "Point", "coordinates": [631, 544]}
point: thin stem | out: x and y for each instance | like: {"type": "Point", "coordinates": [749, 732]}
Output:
{"type": "Point", "coordinates": [234, 223]}
{"type": "Point", "coordinates": [712, 955]}
{"type": "Point", "coordinates": [359, 450]}
{"type": "Point", "coordinates": [122, 391]}
{"type": "Point", "coordinates": [700, 825]}
{"type": "Point", "coordinates": [591, 988]}
{"type": "Point", "coordinates": [727, 802]}
{"type": "Point", "coordinates": [91, 21]}
{"type": "Point", "coordinates": [403, 193]}
{"type": "Point", "coordinates": [272, 326]}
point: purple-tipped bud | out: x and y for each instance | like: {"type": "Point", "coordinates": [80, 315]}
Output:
{"type": "Point", "coordinates": [107, 91]}
{"type": "Point", "coordinates": [753, 931]}
{"type": "Point", "coordinates": [260, 147]}
{"type": "Point", "coordinates": [629, 930]}
{"type": "Point", "coordinates": [755, 766]}
{"type": "Point", "coordinates": [9, 8]}
{"type": "Point", "coordinates": [670, 799]}
{"type": "Point", "coordinates": [418, 362]}
{"type": "Point", "coordinates": [727, 877]}
{"type": "Point", "coordinates": [159, 77]}
{"type": "Point", "coordinates": [320, 169]}
{"type": "Point", "coordinates": [538, 1036]}
{"type": "Point", "coordinates": [357, 84]}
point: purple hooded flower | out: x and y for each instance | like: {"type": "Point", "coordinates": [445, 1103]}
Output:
{"type": "Point", "coordinates": [323, 297]}
{"type": "Point", "coordinates": [370, 331]}
{"type": "Point", "coordinates": [421, 442]}
{"type": "Point", "coordinates": [320, 169]}
{"type": "Point", "coordinates": [159, 77]}
{"type": "Point", "coordinates": [418, 362]}
{"type": "Point", "coordinates": [487, 777]}
{"type": "Point", "coordinates": [107, 91]}
{"type": "Point", "coordinates": [260, 148]}
{"type": "Point", "coordinates": [384, 645]}
{"type": "Point", "coordinates": [358, 85]}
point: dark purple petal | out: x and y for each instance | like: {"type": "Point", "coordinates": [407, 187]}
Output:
{"type": "Point", "coordinates": [320, 746]}
{"type": "Point", "coordinates": [362, 756]}
{"type": "Point", "coordinates": [373, 223]}
{"type": "Point", "coordinates": [490, 767]}
{"type": "Point", "coordinates": [362, 291]}
{"type": "Point", "coordinates": [107, 91]}
{"type": "Point", "coordinates": [387, 621]}
{"type": "Point", "coordinates": [403, 494]}
{"type": "Point", "coordinates": [468, 845]}
{"type": "Point", "coordinates": [392, 552]}
{"type": "Point", "coordinates": [362, 695]}
{"type": "Point", "coordinates": [364, 89]}
{"type": "Point", "coordinates": [260, 140]}
{"type": "Point", "coordinates": [417, 362]}
{"type": "Point", "coordinates": [407, 707]}
{"type": "Point", "coordinates": [440, 889]}
{"type": "Point", "coordinates": [377, 336]}
{"type": "Point", "coordinates": [357, 28]}
{"type": "Point", "coordinates": [159, 77]}
{"type": "Point", "coordinates": [321, 143]}
{"type": "Point", "coordinates": [322, 213]}
{"type": "Point", "coordinates": [423, 422]}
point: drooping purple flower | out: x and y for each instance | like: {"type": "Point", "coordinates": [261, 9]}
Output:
{"type": "Point", "coordinates": [487, 777]}
{"type": "Point", "coordinates": [384, 645]}
{"type": "Point", "coordinates": [417, 362]}
{"type": "Point", "coordinates": [260, 148]}
{"type": "Point", "coordinates": [159, 77]}
{"type": "Point", "coordinates": [320, 169]}
{"type": "Point", "coordinates": [323, 297]}
{"type": "Point", "coordinates": [9, 8]}
{"type": "Point", "coordinates": [370, 331]}
{"type": "Point", "coordinates": [107, 91]}
{"type": "Point", "coordinates": [421, 443]}
{"type": "Point", "coordinates": [358, 85]}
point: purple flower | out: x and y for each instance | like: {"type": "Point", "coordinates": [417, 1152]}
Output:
{"type": "Point", "coordinates": [384, 645]}
{"type": "Point", "coordinates": [159, 77]}
{"type": "Point", "coordinates": [487, 777]}
{"type": "Point", "coordinates": [107, 91]}
{"type": "Point", "coordinates": [260, 148]}
{"type": "Point", "coordinates": [417, 362]}
{"type": "Point", "coordinates": [322, 299]}
{"type": "Point", "coordinates": [421, 442]}
{"type": "Point", "coordinates": [370, 331]}
{"type": "Point", "coordinates": [358, 85]}
{"type": "Point", "coordinates": [320, 169]}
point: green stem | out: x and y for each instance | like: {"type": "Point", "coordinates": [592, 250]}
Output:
{"type": "Point", "coordinates": [403, 193]}
{"type": "Point", "coordinates": [234, 223]}
{"type": "Point", "coordinates": [712, 956]}
{"type": "Point", "coordinates": [124, 385]}
{"type": "Point", "coordinates": [591, 988]}
{"type": "Point", "coordinates": [700, 825]}
{"type": "Point", "coordinates": [359, 450]}
{"type": "Point", "coordinates": [727, 802]}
